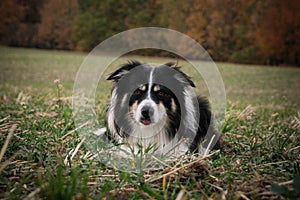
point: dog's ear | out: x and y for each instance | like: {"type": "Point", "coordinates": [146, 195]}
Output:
{"type": "Point", "coordinates": [170, 64]}
{"type": "Point", "coordinates": [187, 80]}
{"type": "Point", "coordinates": [124, 69]}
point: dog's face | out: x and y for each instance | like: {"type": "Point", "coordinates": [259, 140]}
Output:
{"type": "Point", "coordinates": [146, 99]}
{"type": "Point", "coordinates": [151, 104]}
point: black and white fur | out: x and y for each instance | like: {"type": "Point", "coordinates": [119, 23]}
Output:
{"type": "Point", "coordinates": [147, 112]}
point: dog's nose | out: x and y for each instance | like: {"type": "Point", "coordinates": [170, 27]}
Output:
{"type": "Point", "coordinates": [147, 112]}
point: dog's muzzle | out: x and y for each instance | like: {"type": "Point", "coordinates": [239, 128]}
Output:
{"type": "Point", "coordinates": [146, 115]}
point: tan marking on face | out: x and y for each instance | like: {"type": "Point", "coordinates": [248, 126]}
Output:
{"type": "Point", "coordinates": [156, 88]}
{"type": "Point", "coordinates": [135, 105]}
{"type": "Point", "coordinates": [133, 108]}
{"type": "Point", "coordinates": [162, 111]}
{"type": "Point", "coordinates": [143, 88]}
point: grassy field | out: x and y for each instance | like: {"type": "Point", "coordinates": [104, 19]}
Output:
{"type": "Point", "coordinates": [260, 158]}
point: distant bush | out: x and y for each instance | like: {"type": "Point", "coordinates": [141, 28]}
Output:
{"type": "Point", "coordinates": [252, 31]}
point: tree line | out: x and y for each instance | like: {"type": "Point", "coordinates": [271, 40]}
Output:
{"type": "Point", "coordinates": [246, 31]}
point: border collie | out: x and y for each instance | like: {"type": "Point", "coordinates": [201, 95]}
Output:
{"type": "Point", "coordinates": [156, 105]}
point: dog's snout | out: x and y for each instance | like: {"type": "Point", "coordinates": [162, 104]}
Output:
{"type": "Point", "coordinates": [147, 112]}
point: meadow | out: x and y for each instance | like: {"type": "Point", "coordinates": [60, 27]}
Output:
{"type": "Point", "coordinates": [260, 158]}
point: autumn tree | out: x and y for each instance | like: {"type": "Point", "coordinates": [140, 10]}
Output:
{"type": "Point", "coordinates": [19, 20]}
{"type": "Point", "coordinates": [249, 31]}
{"type": "Point", "coordinates": [98, 20]}
{"type": "Point", "coordinates": [222, 27]}
{"type": "Point", "coordinates": [56, 28]}
{"type": "Point", "coordinates": [277, 32]}
{"type": "Point", "coordinates": [197, 21]}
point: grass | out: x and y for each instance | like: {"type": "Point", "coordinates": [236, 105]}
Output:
{"type": "Point", "coordinates": [259, 160]}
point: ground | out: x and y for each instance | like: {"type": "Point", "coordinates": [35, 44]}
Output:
{"type": "Point", "coordinates": [261, 136]}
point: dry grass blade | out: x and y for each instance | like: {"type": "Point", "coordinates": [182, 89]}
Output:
{"type": "Point", "coordinates": [269, 164]}
{"type": "Point", "coordinates": [286, 182]}
{"type": "Point", "coordinates": [181, 167]}
{"type": "Point", "coordinates": [296, 121]}
{"type": "Point", "coordinates": [36, 191]}
{"type": "Point", "coordinates": [67, 160]}
{"type": "Point", "coordinates": [8, 162]}
{"type": "Point", "coordinates": [295, 148]}
{"type": "Point", "coordinates": [4, 119]}
{"type": "Point", "coordinates": [160, 161]}
{"type": "Point", "coordinates": [72, 131]}
{"type": "Point", "coordinates": [10, 133]}
{"type": "Point", "coordinates": [215, 186]}
{"type": "Point", "coordinates": [175, 146]}
{"type": "Point", "coordinates": [180, 195]}
{"type": "Point", "coordinates": [242, 195]}
{"type": "Point", "coordinates": [246, 113]}
{"type": "Point", "coordinates": [209, 145]}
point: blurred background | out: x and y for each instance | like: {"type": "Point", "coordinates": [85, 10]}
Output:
{"type": "Point", "coordinates": [241, 31]}
{"type": "Point", "coordinates": [43, 43]}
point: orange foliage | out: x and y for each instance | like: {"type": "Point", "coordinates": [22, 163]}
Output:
{"type": "Point", "coordinates": [277, 33]}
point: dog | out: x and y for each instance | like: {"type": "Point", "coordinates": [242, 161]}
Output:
{"type": "Point", "coordinates": [155, 105]}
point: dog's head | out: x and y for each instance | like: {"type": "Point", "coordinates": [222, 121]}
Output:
{"type": "Point", "coordinates": [151, 93]}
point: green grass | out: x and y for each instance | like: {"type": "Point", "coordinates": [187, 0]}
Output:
{"type": "Point", "coordinates": [259, 160]}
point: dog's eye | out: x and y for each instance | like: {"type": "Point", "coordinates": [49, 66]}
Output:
{"type": "Point", "coordinates": [137, 92]}
{"type": "Point", "coordinates": [162, 94]}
